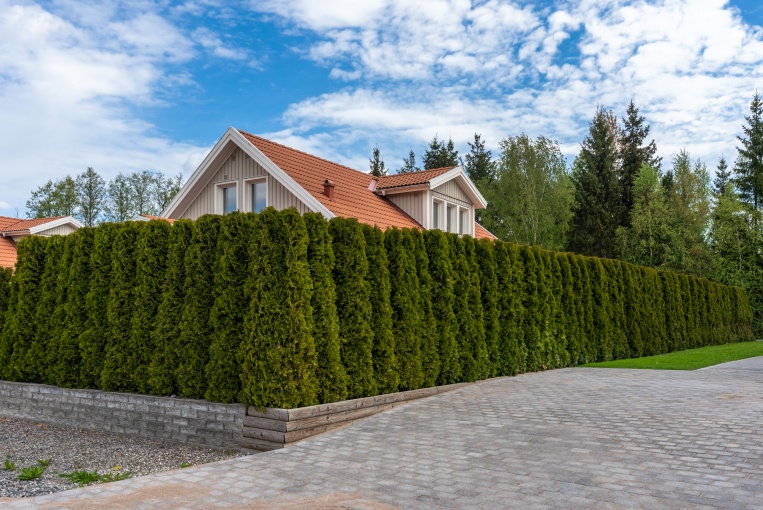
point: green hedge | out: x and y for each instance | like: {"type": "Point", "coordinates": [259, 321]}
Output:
{"type": "Point", "coordinates": [283, 310]}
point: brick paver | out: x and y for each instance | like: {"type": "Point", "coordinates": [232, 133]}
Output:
{"type": "Point", "coordinates": [572, 438]}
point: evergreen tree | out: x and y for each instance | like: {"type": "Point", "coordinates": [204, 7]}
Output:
{"type": "Point", "coordinates": [602, 348]}
{"type": "Point", "coordinates": [278, 356]}
{"type": "Point", "coordinates": [199, 294]}
{"type": "Point", "coordinates": [67, 367]}
{"type": "Point", "coordinates": [578, 340]}
{"type": "Point", "coordinates": [332, 378]}
{"type": "Point", "coordinates": [430, 357]}
{"type": "Point", "coordinates": [485, 251]}
{"type": "Point", "coordinates": [166, 333]}
{"type": "Point", "coordinates": [378, 278]}
{"type": "Point", "coordinates": [116, 374]}
{"type": "Point", "coordinates": [5, 293]}
{"type": "Point", "coordinates": [353, 303]}
{"type": "Point", "coordinates": [150, 267]}
{"type": "Point", "coordinates": [478, 163]}
{"type": "Point", "coordinates": [94, 338]}
{"type": "Point", "coordinates": [597, 210]}
{"type": "Point", "coordinates": [227, 315]}
{"type": "Point", "coordinates": [634, 155]}
{"type": "Point", "coordinates": [376, 164]}
{"type": "Point", "coordinates": [409, 164]}
{"type": "Point", "coordinates": [443, 281]}
{"type": "Point", "coordinates": [748, 169]}
{"type": "Point", "coordinates": [510, 311]}
{"type": "Point", "coordinates": [568, 313]}
{"type": "Point", "coordinates": [722, 177]}
{"type": "Point", "coordinates": [407, 321]}
{"type": "Point", "coordinates": [440, 154]}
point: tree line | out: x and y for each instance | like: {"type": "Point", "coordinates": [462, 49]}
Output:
{"type": "Point", "coordinates": [91, 199]}
{"type": "Point", "coordinates": [617, 199]}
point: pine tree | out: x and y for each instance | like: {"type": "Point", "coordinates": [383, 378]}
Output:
{"type": "Point", "coordinates": [93, 341]}
{"type": "Point", "coordinates": [634, 155]}
{"type": "Point", "coordinates": [67, 371]}
{"type": "Point", "coordinates": [150, 268]}
{"type": "Point", "coordinates": [440, 154]}
{"type": "Point", "coordinates": [353, 303]}
{"type": "Point", "coordinates": [166, 333]}
{"type": "Point", "coordinates": [116, 374]}
{"type": "Point", "coordinates": [199, 294]}
{"type": "Point", "coordinates": [376, 164]}
{"type": "Point", "coordinates": [722, 177]}
{"type": "Point", "coordinates": [227, 315]}
{"type": "Point", "coordinates": [430, 357]}
{"type": "Point", "coordinates": [485, 251]}
{"type": "Point", "coordinates": [443, 281]}
{"type": "Point", "coordinates": [332, 378]}
{"type": "Point", "coordinates": [597, 209]}
{"type": "Point", "coordinates": [378, 278]}
{"type": "Point", "coordinates": [407, 321]}
{"type": "Point", "coordinates": [748, 169]}
{"type": "Point", "coordinates": [278, 355]}
{"type": "Point", "coordinates": [409, 164]}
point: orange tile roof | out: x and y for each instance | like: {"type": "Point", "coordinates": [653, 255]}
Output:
{"type": "Point", "coordinates": [7, 252]}
{"type": "Point", "coordinates": [481, 232]}
{"type": "Point", "coordinates": [410, 178]}
{"type": "Point", "coordinates": [152, 217]}
{"type": "Point", "coordinates": [18, 225]}
{"type": "Point", "coordinates": [352, 198]}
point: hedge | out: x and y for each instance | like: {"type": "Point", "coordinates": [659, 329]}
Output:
{"type": "Point", "coordinates": [282, 310]}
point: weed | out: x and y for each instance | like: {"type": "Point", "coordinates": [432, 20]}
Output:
{"type": "Point", "coordinates": [82, 477]}
{"type": "Point", "coordinates": [186, 464]}
{"type": "Point", "coordinates": [31, 473]}
{"type": "Point", "coordinates": [115, 477]}
{"type": "Point", "coordinates": [9, 465]}
{"type": "Point", "coordinates": [44, 462]}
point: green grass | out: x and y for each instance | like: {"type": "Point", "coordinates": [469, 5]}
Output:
{"type": "Point", "coordinates": [691, 359]}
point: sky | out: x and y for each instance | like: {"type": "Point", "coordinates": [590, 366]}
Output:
{"type": "Point", "coordinates": [125, 86]}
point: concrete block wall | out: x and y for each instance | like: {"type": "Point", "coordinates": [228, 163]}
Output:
{"type": "Point", "coordinates": [169, 419]}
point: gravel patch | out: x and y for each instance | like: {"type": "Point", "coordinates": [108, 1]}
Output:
{"type": "Point", "coordinates": [71, 448]}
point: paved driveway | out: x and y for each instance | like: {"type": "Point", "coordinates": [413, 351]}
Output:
{"type": "Point", "coordinates": [572, 438]}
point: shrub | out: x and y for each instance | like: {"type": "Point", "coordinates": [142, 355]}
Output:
{"type": "Point", "coordinates": [510, 310]}
{"type": "Point", "coordinates": [485, 253]}
{"type": "Point", "coordinates": [430, 357]}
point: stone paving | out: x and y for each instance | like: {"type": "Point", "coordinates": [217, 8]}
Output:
{"type": "Point", "coordinates": [572, 438]}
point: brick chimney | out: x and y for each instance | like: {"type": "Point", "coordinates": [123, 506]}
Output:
{"type": "Point", "coordinates": [328, 189]}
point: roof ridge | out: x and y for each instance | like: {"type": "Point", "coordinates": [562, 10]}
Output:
{"type": "Point", "coordinates": [419, 172]}
{"type": "Point", "coordinates": [307, 154]}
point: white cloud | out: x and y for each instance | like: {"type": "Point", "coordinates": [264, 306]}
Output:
{"type": "Point", "coordinates": [66, 91]}
{"type": "Point", "coordinates": [211, 42]}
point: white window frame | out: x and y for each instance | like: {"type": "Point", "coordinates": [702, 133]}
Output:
{"type": "Point", "coordinates": [463, 229]}
{"type": "Point", "coordinates": [248, 192]}
{"type": "Point", "coordinates": [219, 203]}
{"type": "Point", "coordinates": [451, 217]}
{"type": "Point", "coordinates": [438, 223]}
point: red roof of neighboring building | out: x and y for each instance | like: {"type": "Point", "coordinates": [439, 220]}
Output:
{"type": "Point", "coordinates": [352, 197]}
{"type": "Point", "coordinates": [8, 224]}
{"type": "Point", "coordinates": [7, 252]}
{"type": "Point", "coordinates": [481, 232]}
{"type": "Point", "coordinates": [152, 217]}
{"type": "Point", "coordinates": [410, 178]}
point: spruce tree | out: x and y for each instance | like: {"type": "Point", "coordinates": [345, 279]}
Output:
{"type": "Point", "coordinates": [478, 163]}
{"type": "Point", "coordinates": [93, 340]}
{"type": "Point", "coordinates": [440, 154]}
{"type": "Point", "coordinates": [353, 303]}
{"type": "Point", "coordinates": [409, 164]}
{"type": "Point", "coordinates": [278, 354]}
{"type": "Point", "coordinates": [116, 374]}
{"type": "Point", "coordinates": [407, 320]}
{"type": "Point", "coordinates": [485, 252]}
{"type": "Point", "coordinates": [166, 333]}
{"type": "Point", "coordinates": [443, 281]}
{"type": "Point", "coordinates": [332, 378]}
{"type": "Point", "coordinates": [199, 294]}
{"type": "Point", "coordinates": [597, 206]}
{"type": "Point", "coordinates": [748, 169]}
{"type": "Point", "coordinates": [376, 164]}
{"type": "Point", "coordinates": [150, 267]}
{"type": "Point", "coordinates": [722, 177]}
{"type": "Point", "coordinates": [67, 371]}
{"type": "Point", "coordinates": [430, 356]}
{"type": "Point", "coordinates": [378, 278]}
{"type": "Point", "coordinates": [634, 153]}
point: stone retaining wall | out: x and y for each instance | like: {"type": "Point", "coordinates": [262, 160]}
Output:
{"type": "Point", "coordinates": [172, 419]}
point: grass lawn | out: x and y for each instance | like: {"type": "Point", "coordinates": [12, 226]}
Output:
{"type": "Point", "coordinates": [691, 359]}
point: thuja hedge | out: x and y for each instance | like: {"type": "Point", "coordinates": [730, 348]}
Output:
{"type": "Point", "coordinates": [284, 310]}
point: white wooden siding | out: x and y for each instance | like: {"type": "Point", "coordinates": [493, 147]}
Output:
{"type": "Point", "coordinates": [237, 167]}
{"type": "Point", "coordinates": [60, 230]}
{"type": "Point", "coordinates": [451, 189]}
{"type": "Point", "coordinates": [412, 203]}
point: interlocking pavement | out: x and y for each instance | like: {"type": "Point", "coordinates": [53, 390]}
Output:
{"type": "Point", "coordinates": [571, 438]}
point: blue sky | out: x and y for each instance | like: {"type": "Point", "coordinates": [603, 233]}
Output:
{"type": "Point", "coordinates": [134, 85]}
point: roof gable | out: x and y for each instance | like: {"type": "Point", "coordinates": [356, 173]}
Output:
{"type": "Point", "coordinates": [410, 178]}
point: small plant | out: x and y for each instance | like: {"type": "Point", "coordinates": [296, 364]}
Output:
{"type": "Point", "coordinates": [186, 464]}
{"type": "Point", "coordinates": [44, 462]}
{"type": "Point", "coordinates": [115, 477]}
{"type": "Point", "coordinates": [9, 465]}
{"type": "Point", "coordinates": [31, 473]}
{"type": "Point", "coordinates": [82, 477]}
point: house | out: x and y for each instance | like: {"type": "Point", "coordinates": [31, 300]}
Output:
{"type": "Point", "coordinates": [12, 230]}
{"type": "Point", "coordinates": [244, 172]}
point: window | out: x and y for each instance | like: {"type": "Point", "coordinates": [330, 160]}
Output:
{"type": "Point", "coordinates": [229, 199]}
{"type": "Point", "coordinates": [259, 194]}
{"type": "Point", "coordinates": [449, 219]}
{"type": "Point", "coordinates": [462, 221]}
{"type": "Point", "coordinates": [436, 215]}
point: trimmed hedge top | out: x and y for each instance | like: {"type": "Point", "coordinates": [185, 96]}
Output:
{"type": "Point", "coordinates": [282, 310]}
